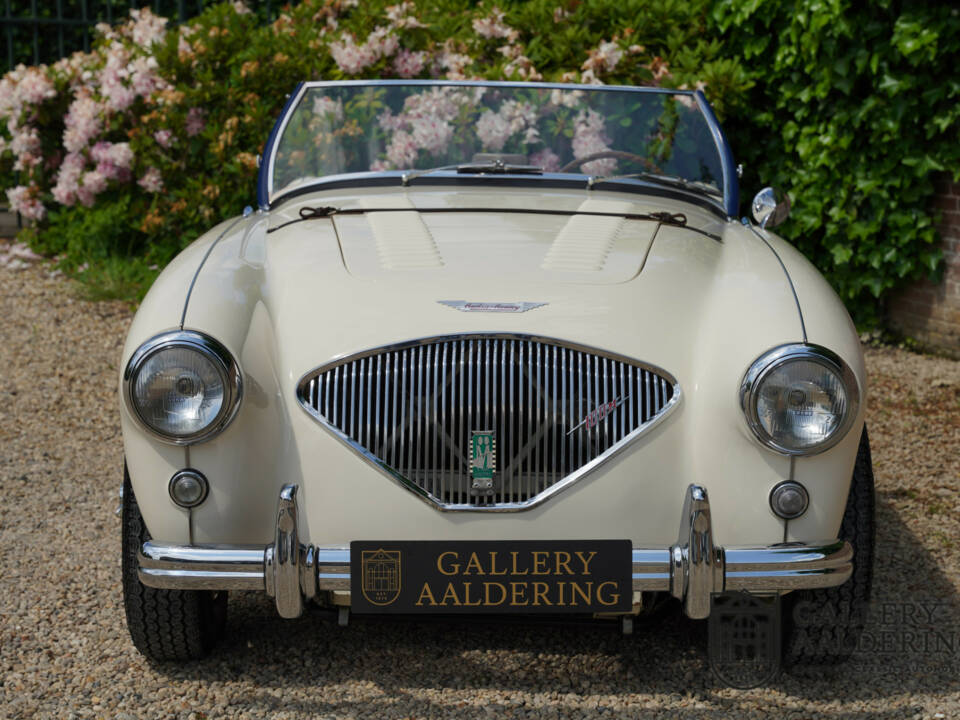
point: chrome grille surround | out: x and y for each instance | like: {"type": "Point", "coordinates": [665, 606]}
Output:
{"type": "Point", "coordinates": [410, 409]}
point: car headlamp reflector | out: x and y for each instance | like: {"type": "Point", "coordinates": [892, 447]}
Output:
{"type": "Point", "coordinates": [799, 399]}
{"type": "Point", "coordinates": [183, 386]}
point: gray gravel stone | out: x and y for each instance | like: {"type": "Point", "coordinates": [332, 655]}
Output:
{"type": "Point", "coordinates": [65, 652]}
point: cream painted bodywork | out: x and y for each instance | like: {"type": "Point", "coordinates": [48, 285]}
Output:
{"type": "Point", "coordinates": [287, 302]}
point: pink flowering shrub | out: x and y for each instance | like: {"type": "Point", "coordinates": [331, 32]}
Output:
{"type": "Point", "coordinates": [125, 154]}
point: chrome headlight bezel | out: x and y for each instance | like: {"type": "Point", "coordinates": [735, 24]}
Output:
{"type": "Point", "coordinates": [776, 358]}
{"type": "Point", "coordinates": [216, 353]}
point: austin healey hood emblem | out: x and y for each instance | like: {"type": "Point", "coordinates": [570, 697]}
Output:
{"type": "Point", "coordinates": [491, 307]}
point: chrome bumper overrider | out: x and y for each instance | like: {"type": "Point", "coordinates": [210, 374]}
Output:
{"type": "Point", "coordinates": [691, 570]}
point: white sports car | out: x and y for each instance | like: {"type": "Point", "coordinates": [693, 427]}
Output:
{"type": "Point", "coordinates": [496, 348]}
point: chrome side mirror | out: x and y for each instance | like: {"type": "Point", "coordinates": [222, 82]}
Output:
{"type": "Point", "coordinates": [770, 207]}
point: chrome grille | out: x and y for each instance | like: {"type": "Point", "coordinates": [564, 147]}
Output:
{"type": "Point", "coordinates": [556, 411]}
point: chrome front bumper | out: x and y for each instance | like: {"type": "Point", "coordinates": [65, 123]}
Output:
{"type": "Point", "coordinates": [691, 570]}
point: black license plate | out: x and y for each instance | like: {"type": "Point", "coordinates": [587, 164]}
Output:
{"type": "Point", "coordinates": [498, 576]}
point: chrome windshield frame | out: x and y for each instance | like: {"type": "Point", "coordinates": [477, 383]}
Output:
{"type": "Point", "coordinates": [730, 204]}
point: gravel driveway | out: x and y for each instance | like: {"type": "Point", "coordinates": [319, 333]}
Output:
{"type": "Point", "coordinates": [65, 652]}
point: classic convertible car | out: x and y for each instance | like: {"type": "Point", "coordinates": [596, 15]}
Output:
{"type": "Point", "coordinates": [496, 348]}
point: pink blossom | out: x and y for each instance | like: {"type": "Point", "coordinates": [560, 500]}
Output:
{"type": "Point", "coordinates": [350, 57]}
{"type": "Point", "coordinates": [589, 137]}
{"type": "Point", "coordinates": [25, 200]}
{"type": "Point", "coordinates": [326, 107]}
{"type": "Point", "coordinates": [519, 64]}
{"type": "Point", "coordinates": [408, 64]}
{"type": "Point", "coordinates": [454, 63]}
{"type": "Point", "coordinates": [151, 181]}
{"type": "Point", "coordinates": [493, 26]}
{"type": "Point", "coordinates": [383, 42]}
{"type": "Point", "coordinates": [147, 28]}
{"type": "Point", "coordinates": [184, 49]}
{"type": "Point", "coordinates": [92, 185]}
{"type": "Point", "coordinates": [195, 122]}
{"type": "Point", "coordinates": [402, 151]}
{"type": "Point", "coordinates": [25, 145]}
{"type": "Point", "coordinates": [547, 159]}
{"type": "Point", "coordinates": [589, 77]}
{"type": "Point", "coordinates": [240, 8]}
{"type": "Point", "coordinates": [82, 123]}
{"type": "Point", "coordinates": [113, 160]}
{"type": "Point", "coordinates": [35, 87]}
{"type": "Point", "coordinates": [105, 30]}
{"type": "Point", "coordinates": [495, 128]}
{"type": "Point", "coordinates": [144, 78]}
{"type": "Point", "coordinates": [114, 77]}
{"type": "Point", "coordinates": [9, 98]}
{"type": "Point", "coordinates": [424, 124]}
{"type": "Point", "coordinates": [566, 98]}
{"type": "Point", "coordinates": [68, 179]}
{"type": "Point", "coordinates": [164, 138]}
{"type": "Point", "coordinates": [604, 58]}
{"type": "Point", "coordinates": [433, 134]}
{"type": "Point", "coordinates": [400, 16]}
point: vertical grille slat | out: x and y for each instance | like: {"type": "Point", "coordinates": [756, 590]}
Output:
{"type": "Point", "coordinates": [553, 408]}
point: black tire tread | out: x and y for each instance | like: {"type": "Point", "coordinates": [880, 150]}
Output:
{"type": "Point", "coordinates": [839, 612]}
{"type": "Point", "coordinates": [165, 625]}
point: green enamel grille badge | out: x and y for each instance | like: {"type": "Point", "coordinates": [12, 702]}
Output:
{"type": "Point", "coordinates": [483, 458]}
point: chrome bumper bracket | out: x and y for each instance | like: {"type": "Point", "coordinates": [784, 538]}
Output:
{"type": "Point", "coordinates": [692, 570]}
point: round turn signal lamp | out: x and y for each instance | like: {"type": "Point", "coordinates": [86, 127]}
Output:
{"type": "Point", "coordinates": [789, 500]}
{"type": "Point", "coordinates": [188, 488]}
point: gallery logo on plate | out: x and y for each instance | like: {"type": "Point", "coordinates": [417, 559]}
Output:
{"type": "Point", "coordinates": [380, 581]}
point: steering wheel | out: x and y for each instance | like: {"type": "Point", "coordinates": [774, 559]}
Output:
{"type": "Point", "coordinates": [619, 154]}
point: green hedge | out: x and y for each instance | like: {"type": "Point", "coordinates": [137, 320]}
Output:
{"type": "Point", "coordinates": [855, 109]}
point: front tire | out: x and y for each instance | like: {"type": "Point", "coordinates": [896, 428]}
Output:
{"type": "Point", "coordinates": [165, 624]}
{"type": "Point", "coordinates": [823, 627]}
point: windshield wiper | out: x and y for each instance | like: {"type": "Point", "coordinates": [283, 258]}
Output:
{"type": "Point", "coordinates": [497, 167]}
{"type": "Point", "coordinates": [668, 180]}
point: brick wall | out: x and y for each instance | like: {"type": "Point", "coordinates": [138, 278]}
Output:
{"type": "Point", "coordinates": [931, 313]}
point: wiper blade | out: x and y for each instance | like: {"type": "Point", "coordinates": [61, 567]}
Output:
{"type": "Point", "coordinates": [668, 180]}
{"type": "Point", "coordinates": [499, 167]}
{"type": "Point", "coordinates": [414, 174]}
{"type": "Point", "coordinates": [495, 167]}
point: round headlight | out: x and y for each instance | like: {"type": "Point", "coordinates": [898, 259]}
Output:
{"type": "Point", "coordinates": [799, 399]}
{"type": "Point", "coordinates": [183, 386]}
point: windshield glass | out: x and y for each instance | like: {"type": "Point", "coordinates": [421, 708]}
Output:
{"type": "Point", "coordinates": [602, 132]}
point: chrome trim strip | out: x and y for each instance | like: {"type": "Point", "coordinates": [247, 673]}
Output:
{"type": "Point", "coordinates": [201, 568]}
{"type": "Point", "coordinates": [525, 456]}
{"type": "Point", "coordinates": [210, 348]}
{"type": "Point", "coordinates": [769, 361]}
{"type": "Point", "coordinates": [762, 234]}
